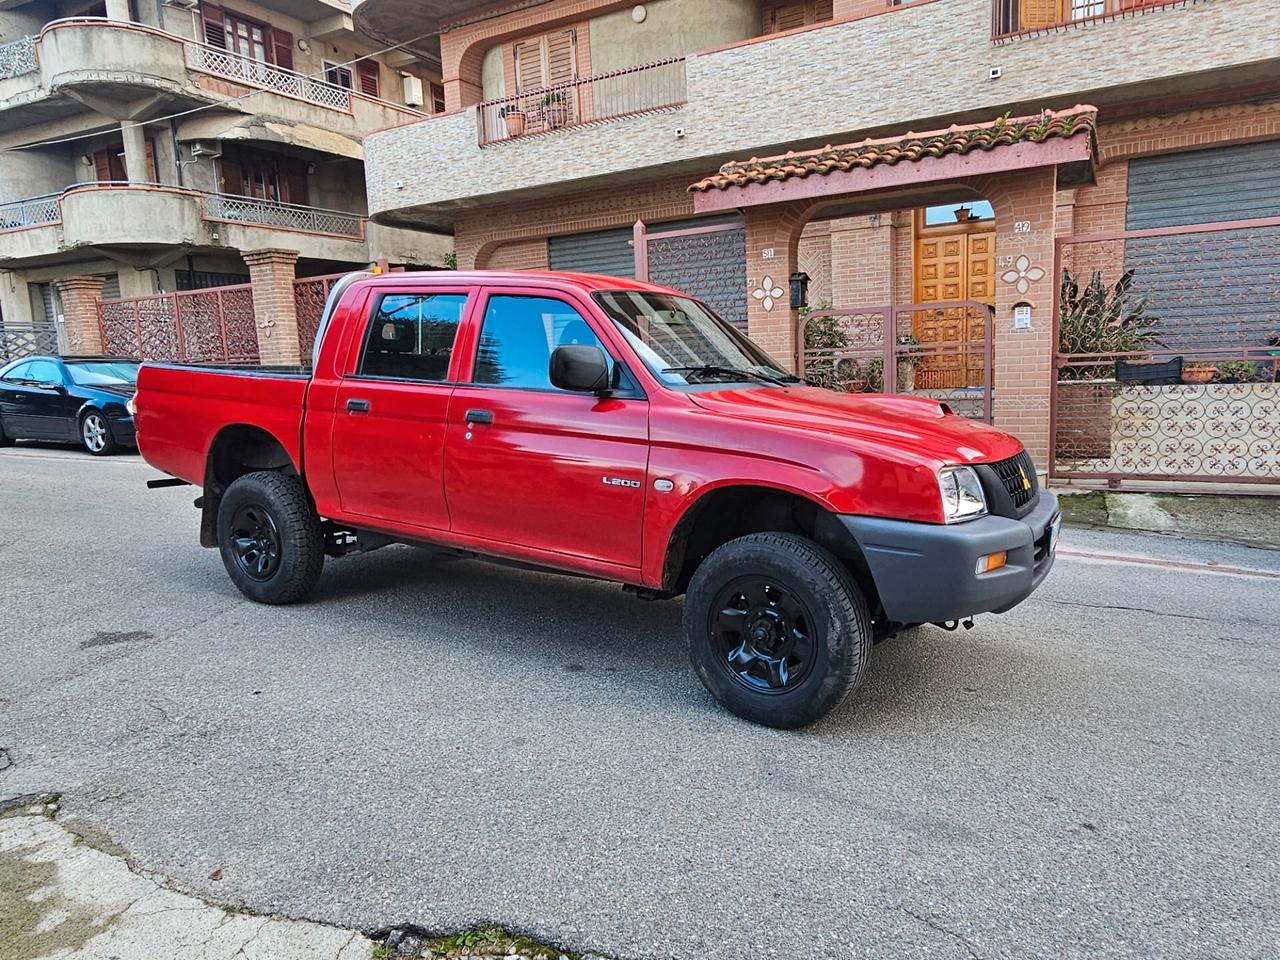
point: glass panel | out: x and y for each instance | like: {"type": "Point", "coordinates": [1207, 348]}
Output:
{"type": "Point", "coordinates": [977, 210]}
{"type": "Point", "coordinates": [518, 336]}
{"type": "Point", "coordinates": [42, 371]}
{"type": "Point", "coordinates": [98, 373]}
{"type": "Point", "coordinates": [411, 336]}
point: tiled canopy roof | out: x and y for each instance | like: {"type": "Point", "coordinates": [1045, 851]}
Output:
{"type": "Point", "coordinates": [914, 146]}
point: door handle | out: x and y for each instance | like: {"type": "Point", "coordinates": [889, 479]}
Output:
{"type": "Point", "coordinates": [357, 406]}
{"type": "Point", "coordinates": [479, 416]}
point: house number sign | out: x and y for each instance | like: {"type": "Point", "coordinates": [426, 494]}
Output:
{"type": "Point", "coordinates": [767, 253]}
{"type": "Point", "coordinates": [1021, 226]}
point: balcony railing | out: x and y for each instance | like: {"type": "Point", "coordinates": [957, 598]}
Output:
{"type": "Point", "coordinates": [17, 58]}
{"type": "Point", "coordinates": [33, 212]}
{"type": "Point", "coordinates": [290, 216]}
{"type": "Point", "coordinates": [606, 96]}
{"type": "Point", "coordinates": [1011, 18]}
{"type": "Point", "coordinates": [234, 66]}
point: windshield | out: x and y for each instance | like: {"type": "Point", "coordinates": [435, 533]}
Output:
{"type": "Point", "coordinates": [684, 343]}
{"type": "Point", "coordinates": [103, 373]}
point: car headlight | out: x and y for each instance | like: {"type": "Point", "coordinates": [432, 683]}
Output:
{"type": "Point", "coordinates": [132, 405]}
{"type": "Point", "coordinates": [962, 496]}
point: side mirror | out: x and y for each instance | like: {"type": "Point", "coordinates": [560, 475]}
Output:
{"type": "Point", "coordinates": [580, 367]}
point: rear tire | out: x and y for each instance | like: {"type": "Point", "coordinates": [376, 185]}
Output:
{"type": "Point", "coordinates": [270, 537]}
{"type": "Point", "coordinates": [95, 434]}
{"type": "Point", "coordinates": [778, 631]}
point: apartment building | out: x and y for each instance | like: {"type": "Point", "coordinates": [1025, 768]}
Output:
{"type": "Point", "coordinates": [898, 194]}
{"type": "Point", "coordinates": [152, 146]}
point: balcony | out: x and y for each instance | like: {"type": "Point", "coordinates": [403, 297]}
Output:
{"type": "Point", "coordinates": [835, 82]}
{"type": "Point", "coordinates": [1010, 18]}
{"type": "Point", "coordinates": [230, 208]}
{"type": "Point", "coordinates": [606, 96]}
{"type": "Point", "coordinates": [127, 61]}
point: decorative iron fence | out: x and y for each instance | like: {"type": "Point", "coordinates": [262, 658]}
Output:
{"type": "Point", "coordinates": [234, 66]}
{"type": "Point", "coordinates": [606, 96]}
{"type": "Point", "coordinates": [240, 209]}
{"type": "Point", "coordinates": [32, 212]}
{"type": "Point", "coordinates": [18, 58]}
{"type": "Point", "coordinates": [943, 351]}
{"type": "Point", "coordinates": [1168, 356]}
{"type": "Point", "coordinates": [309, 297]}
{"type": "Point", "coordinates": [1012, 18]}
{"type": "Point", "coordinates": [194, 326]}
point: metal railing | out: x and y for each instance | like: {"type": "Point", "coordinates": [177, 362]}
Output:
{"type": "Point", "coordinates": [606, 96]}
{"type": "Point", "coordinates": [269, 213]}
{"type": "Point", "coordinates": [234, 66]}
{"type": "Point", "coordinates": [32, 212]}
{"type": "Point", "coordinates": [17, 58]}
{"type": "Point", "coordinates": [193, 326]}
{"type": "Point", "coordinates": [1008, 17]}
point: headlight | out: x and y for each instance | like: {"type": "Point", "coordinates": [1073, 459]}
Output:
{"type": "Point", "coordinates": [132, 405]}
{"type": "Point", "coordinates": [962, 496]}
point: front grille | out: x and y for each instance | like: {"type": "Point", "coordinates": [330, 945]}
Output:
{"type": "Point", "coordinates": [1018, 474]}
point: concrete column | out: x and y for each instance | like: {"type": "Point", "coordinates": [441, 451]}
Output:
{"type": "Point", "coordinates": [272, 274]}
{"type": "Point", "coordinates": [135, 153]}
{"type": "Point", "coordinates": [80, 329]}
{"type": "Point", "coordinates": [118, 10]}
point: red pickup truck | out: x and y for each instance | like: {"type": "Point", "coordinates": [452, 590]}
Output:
{"type": "Point", "coordinates": [619, 430]}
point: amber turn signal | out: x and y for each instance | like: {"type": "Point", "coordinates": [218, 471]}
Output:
{"type": "Point", "coordinates": [992, 561]}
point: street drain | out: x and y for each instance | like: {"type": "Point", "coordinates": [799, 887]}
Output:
{"type": "Point", "coordinates": [105, 638]}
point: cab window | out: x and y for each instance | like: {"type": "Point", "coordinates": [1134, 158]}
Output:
{"type": "Point", "coordinates": [518, 335]}
{"type": "Point", "coordinates": [411, 336]}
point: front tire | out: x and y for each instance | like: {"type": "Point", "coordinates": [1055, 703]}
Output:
{"type": "Point", "coordinates": [270, 537]}
{"type": "Point", "coordinates": [95, 434]}
{"type": "Point", "coordinates": [778, 632]}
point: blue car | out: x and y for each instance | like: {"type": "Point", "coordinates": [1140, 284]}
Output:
{"type": "Point", "coordinates": [76, 399]}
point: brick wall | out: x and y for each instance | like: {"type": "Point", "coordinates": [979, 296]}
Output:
{"type": "Point", "coordinates": [274, 306]}
{"type": "Point", "coordinates": [814, 258]}
{"type": "Point", "coordinates": [80, 296]}
{"type": "Point", "coordinates": [517, 255]}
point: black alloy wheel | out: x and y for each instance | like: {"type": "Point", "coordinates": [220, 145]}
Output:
{"type": "Point", "coordinates": [764, 634]}
{"type": "Point", "coordinates": [255, 542]}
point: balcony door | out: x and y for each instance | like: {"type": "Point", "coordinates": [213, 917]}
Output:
{"type": "Point", "coordinates": [545, 68]}
{"type": "Point", "coordinates": [265, 176]}
{"type": "Point", "coordinates": [250, 39]}
{"type": "Point", "coordinates": [954, 262]}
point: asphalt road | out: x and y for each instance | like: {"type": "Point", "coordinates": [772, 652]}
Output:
{"type": "Point", "coordinates": [448, 743]}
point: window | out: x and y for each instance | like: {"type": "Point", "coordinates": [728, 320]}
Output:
{"type": "Point", "coordinates": [249, 38]}
{"type": "Point", "coordinates": [368, 71]}
{"type": "Point", "coordinates": [789, 16]}
{"type": "Point", "coordinates": [18, 373]}
{"type": "Point", "coordinates": [338, 76]}
{"type": "Point", "coordinates": [411, 336]}
{"type": "Point", "coordinates": [546, 61]}
{"type": "Point", "coordinates": [108, 164]}
{"type": "Point", "coordinates": [251, 173]}
{"type": "Point", "coordinates": [43, 371]}
{"type": "Point", "coordinates": [99, 373]}
{"type": "Point", "coordinates": [1083, 9]}
{"type": "Point", "coordinates": [946, 214]}
{"type": "Point", "coordinates": [437, 98]}
{"type": "Point", "coordinates": [518, 336]}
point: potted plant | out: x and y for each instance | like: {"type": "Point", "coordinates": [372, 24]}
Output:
{"type": "Point", "coordinates": [1236, 371]}
{"type": "Point", "coordinates": [555, 109]}
{"type": "Point", "coordinates": [514, 118]}
{"type": "Point", "coordinates": [1198, 372]}
{"type": "Point", "coordinates": [907, 361]}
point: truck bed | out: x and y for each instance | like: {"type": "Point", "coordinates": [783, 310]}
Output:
{"type": "Point", "coordinates": [182, 408]}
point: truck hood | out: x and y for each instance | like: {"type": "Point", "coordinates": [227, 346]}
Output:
{"type": "Point", "coordinates": [917, 425]}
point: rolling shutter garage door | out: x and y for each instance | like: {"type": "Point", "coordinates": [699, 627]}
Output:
{"type": "Point", "coordinates": [606, 252]}
{"type": "Point", "coordinates": [1215, 288]}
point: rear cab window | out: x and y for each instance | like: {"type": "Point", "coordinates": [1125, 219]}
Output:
{"type": "Point", "coordinates": [411, 335]}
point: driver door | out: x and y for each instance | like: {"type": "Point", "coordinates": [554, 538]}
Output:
{"type": "Point", "coordinates": [537, 467]}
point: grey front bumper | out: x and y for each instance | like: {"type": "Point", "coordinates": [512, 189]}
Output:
{"type": "Point", "coordinates": [926, 573]}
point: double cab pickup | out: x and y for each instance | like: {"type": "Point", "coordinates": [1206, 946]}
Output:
{"type": "Point", "coordinates": [619, 430]}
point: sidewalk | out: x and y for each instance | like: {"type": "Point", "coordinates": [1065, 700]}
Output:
{"type": "Point", "coordinates": [1253, 521]}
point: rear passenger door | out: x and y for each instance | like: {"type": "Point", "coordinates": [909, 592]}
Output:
{"type": "Point", "coordinates": [534, 466]}
{"type": "Point", "coordinates": [392, 404]}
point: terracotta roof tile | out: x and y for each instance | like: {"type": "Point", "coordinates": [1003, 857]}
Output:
{"type": "Point", "coordinates": [914, 146]}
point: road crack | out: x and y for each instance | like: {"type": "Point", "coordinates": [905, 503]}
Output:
{"type": "Point", "coordinates": [939, 928]}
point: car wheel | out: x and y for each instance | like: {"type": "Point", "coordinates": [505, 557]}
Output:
{"type": "Point", "coordinates": [95, 434]}
{"type": "Point", "coordinates": [270, 537]}
{"type": "Point", "coordinates": [778, 631]}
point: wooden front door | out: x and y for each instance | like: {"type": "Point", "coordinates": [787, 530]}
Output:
{"type": "Point", "coordinates": [954, 263]}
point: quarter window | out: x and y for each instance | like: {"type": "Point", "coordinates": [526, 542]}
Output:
{"type": "Point", "coordinates": [411, 336]}
{"type": "Point", "coordinates": [517, 338]}
{"type": "Point", "coordinates": [42, 371]}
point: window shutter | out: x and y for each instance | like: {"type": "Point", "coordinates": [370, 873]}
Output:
{"type": "Point", "coordinates": [295, 188]}
{"type": "Point", "coordinates": [528, 54]}
{"type": "Point", "coordinates": [368, 72]}
{"type": "Point", "coordinates": [562, 61]}
{"type": "Point", "coordinates": [215, 31]}
{"type": "Point", "coordinates": [1035, 14]}
{"type": "Point", "coordinates": [231, 179]}
{"type": "Point", "coordinates": [102, 165]}
{"type": "Point", "coordinates": [437, 98]}
{"type": "Point", "coordinates": [282, 48]}
{"type": "Point", "coordinates": [823, 10]}
{"type": "Point", "coordinates": [789, 16]}
{"type": "Point", "coordinates": [151, 161]}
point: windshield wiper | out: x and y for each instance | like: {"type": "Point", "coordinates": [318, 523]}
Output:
{"type": "Point", "coordinates": [711, 369]}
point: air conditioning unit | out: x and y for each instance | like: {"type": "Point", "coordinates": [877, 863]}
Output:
{"type": "Point", "coordinates": [206, 148]}
{"type": "Point", "coordinates": [412, 91]}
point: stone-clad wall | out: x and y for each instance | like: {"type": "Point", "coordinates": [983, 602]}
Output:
{"type": "Point", "coordinates": [831, 83]}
